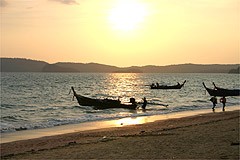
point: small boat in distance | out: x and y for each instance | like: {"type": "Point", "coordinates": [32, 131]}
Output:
{"type": "Point", "coordinates": [157, 86]}
{"type": "Point", "coordinates": [103, 103]}
{"type": "Point", "coordinates": [220, 92]}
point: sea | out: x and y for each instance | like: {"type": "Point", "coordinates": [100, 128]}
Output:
{"type": "Point", "coordinates": [32, 101]}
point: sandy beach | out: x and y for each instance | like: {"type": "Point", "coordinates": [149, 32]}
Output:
{"type": "Point", "coordinates": [204, 136]}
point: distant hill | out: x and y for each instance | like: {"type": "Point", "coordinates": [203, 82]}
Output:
{"type": "Point", "coordinates": [27, 65]}
{"type": "Point", "coordinates": [56, 68]}
{"type": "Point", "coordinates": [88, 67]}
{"type": "Point", "coordinates": [21, 65]}
{"type": "Point", "coordinates": [190, 68]}
{"type": "Point", "coordinates": [235, 71]}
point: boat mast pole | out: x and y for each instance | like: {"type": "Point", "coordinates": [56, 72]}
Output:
{"type": "Point", "coordinates": [73, 91]}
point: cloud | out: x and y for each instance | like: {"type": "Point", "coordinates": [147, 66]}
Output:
{"type": "Point", "coordinates": [66, 1]}
{"type": "Point", "coordinates": [3, 3]}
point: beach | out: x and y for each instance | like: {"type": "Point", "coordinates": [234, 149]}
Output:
{"type": "Point", "coordinates": [214, 135]}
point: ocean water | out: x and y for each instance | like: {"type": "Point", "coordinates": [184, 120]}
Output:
{"type": "Point", "coordinates": [42, 100]}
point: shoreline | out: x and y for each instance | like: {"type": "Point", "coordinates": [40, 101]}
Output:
{"type": "Point", "coordinates": [94, 125]}
{"type": "Point", "coordinates": [219, 128]}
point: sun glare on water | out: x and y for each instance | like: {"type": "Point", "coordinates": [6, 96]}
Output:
{"type": "Point", "coordinates": [127, 15]}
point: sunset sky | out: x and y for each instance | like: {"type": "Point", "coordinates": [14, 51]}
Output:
{"type": "Point", "coordinates": [122, 32]}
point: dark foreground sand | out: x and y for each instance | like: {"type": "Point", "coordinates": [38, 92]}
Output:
{"type": "Point", "coordinates": [207, 136]}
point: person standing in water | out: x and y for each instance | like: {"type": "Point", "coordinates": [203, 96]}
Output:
{"type": "Point", "coordinates": [214, 101]}
{"type": "Point", "coordinates": [144, 103]}
{"type": "Point", "coordinates": [223, 101]}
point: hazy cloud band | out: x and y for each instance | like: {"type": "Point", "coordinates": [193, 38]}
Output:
{"type": "Point", "coordinates": [66, 1]}
{"type": "Point", "coordinates": [3, 3]}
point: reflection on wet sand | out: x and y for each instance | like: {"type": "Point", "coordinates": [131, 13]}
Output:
{"type": "Point", "coordinates": [131, 121]}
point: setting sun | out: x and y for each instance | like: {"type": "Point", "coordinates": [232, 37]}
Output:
{"type": "Point", "coordinates": [127, 14]}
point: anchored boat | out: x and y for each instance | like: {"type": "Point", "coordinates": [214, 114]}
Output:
{"type": "Point", "coordinates": [178, 86]}
{"type": "Point", "coordinates": [103, 103]}
{"type": "Point", "coordinates": [220, 92]}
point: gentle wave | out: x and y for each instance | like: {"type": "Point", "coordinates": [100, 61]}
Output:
{"type": "Point", "coordinates": [93, 115]}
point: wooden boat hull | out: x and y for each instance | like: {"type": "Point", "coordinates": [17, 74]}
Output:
{"type": "Point", "coordinates": [101, 103]}
{"type": "Point", "coordinates": [220, 92]}
{"type": "Point", "coordinates": [178, 86]}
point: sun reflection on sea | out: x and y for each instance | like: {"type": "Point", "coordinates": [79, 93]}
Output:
{"type": "Point", "coordinates": [122, 85]}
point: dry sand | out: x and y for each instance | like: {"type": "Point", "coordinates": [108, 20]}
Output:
{"type": "Point", "coordinates": [205, 136]}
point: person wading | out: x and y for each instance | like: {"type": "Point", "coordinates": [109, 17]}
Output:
{"type": "Point", "coordinates": [214, 101]}
{"type": "Point", "coordinates": [223, 101]}
{"type": "Point", "coordinates": [144, 103]}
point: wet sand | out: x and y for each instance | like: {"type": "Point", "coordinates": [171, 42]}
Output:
{"type": "Point", "coordinates": [204, 136]}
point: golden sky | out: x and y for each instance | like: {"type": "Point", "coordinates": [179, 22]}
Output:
{"type": "Point", "coordinates": [122, 32]}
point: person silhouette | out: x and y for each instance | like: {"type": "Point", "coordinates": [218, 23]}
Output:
{"type": "Point", "coordinates": [144, 103]}
{"type": "Point", "coordinates": [223, 101]}
{"type": "Point", "coordinates": [214, 101]}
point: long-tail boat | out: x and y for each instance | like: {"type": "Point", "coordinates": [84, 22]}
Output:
{"type": "Point", "coordinates": [220, 92]}
{"type": "Point", "coordinates": [178, 86]}
{"type": "Point", "coordinates": [103, 103]}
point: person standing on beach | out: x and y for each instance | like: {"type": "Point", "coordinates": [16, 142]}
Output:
{"type": "Point", "coordinates": [223, 101]}
{"type": "Point", "coordinates": [214, 101]}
